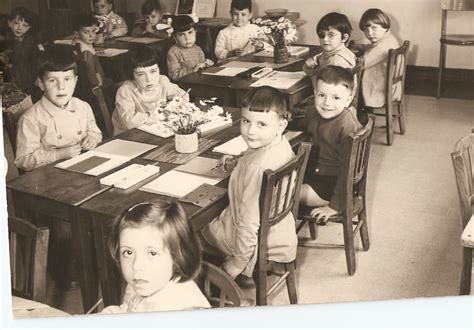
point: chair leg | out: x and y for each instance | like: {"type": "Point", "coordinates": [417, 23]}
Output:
{"type": "Point", "coordinates": [364, 230]}
{"type": "Point", "coordinates": [312, 229]}
{"type": "Point", "coordinates": [349, 245]}
{"type": "Point", "coordinates": [291, 283]}
{"type": "Point", "coordinates": [389, 123]}
{"type": "Point", "coordinates": [465, 288]}
{"type": "Point", "coordinates": [442, 63]}
{"type": "Point", "coordinates": [401, 117]}
{"type": "Point", "coordinates": [261, 287]}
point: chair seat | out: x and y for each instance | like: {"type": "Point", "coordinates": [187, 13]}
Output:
{"type": "Point", "coordinates": [357, 206]}
{"type": "Point", "coordinates": [467, 237]}
{"type": "Point", "coordinates": [458, 39]}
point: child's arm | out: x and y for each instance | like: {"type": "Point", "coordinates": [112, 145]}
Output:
{"type": "Point", "coordinates": [92, 75]}
{"type": "Point", "coordinates": [94, 135]}
{"type": "Point", "coordinates": [126, 109]}
{"type": "Point", "coordinates": [119, 27]}
{"type": "Point", "coordinates": [375, 56]}
{"type": "Point", "coordinates": [220, 50]}
{"type": "Point", "coordinates": [310, 65]}
{"type": "Point", "coordinates": [173, 90]}
{"type": "Point", "coordinates": [247, 222]}
{"type": "Point", "coordinates": [176, 68]}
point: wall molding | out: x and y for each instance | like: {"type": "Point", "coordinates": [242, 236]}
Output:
{"type": "Point", "coordinates": [415, 72]}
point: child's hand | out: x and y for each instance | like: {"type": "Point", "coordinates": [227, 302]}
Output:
{"type": "Point", "coordinates": [88, 143]}
{"type": "Point", "coordinates": [227, 163]}
{"type": "Point", "coordinates": [323, 213]}
{"type": "Point", "coordinates": [208, 62]}
{"type": "Point", "coordinates": [310, 62]}
{"type": "Point", "coordinates": [69, 152]}
{"type": "Point", "coordinates": [152, 118]}
{"type": "Point", "coordinates": [257, 43]}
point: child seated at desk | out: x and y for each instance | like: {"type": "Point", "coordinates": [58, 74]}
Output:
{"type": "Point", "coordinates": [185, 57]}
{"type": "Point", "coordinates": [334, 31]}
{"type": "Point", "coordinates": [115, 25]}
{"type": "Point", "coordinates": [328, 125]}
{"type": "Point", "coordinates": [138, 98]}
{"type": "Point", "coordinates": [59, 125]}
{"type": "Point", "coordinates": [151, 12]}
{"type": "Point", "coordinates": [236, 39]}
{"type": "Point", "coordinates": [234, 233]}
{"type": "Point", "coordinates": [19, 50]}
{"type": "Point", "coordinates": [158, 255]}
{"type": "Point", "coordinates": [85, 33]}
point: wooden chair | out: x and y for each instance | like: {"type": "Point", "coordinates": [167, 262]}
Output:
{"type": "Point", "coordinates": [279, 196]}
{"type": "Point", "coordinates": [105, 102]}
{"type": "Point", "coordinates": [463, 160]}
{"type": "Point", "coordinates": [28, 259]}
{"type": "Point", "coordinates": [396, 69]}
{"type": "Point", "coordinates": [353, 178]}
{"type": "Point", "coordinates": [358, 69]}
{"type": "Point", "coordinates": [218, 287]}
{"type": "Point", "coordinates": [451, 39]}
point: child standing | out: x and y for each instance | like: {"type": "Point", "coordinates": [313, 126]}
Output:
{"type": "Point", "coordinates": [234, 233]}
{"type": "Point", "coordinates": [328, 125]}
{"type": "Point", "coordinates": [115, 24]}
{"type": "Point", "coordinates": [185, 57]}
{"type": "Point", "coordinates": [334, 31]}
{"type": "Point", "coordinates": [85, 31]}
{"type": "Point", "coordinates": [59, 125]}
{"type": "Point", "coordinates": [236, 39]}
{"type": "Point", "coordinates": [151, 12]}
{"type": "Point", "coordinates": [20, 51]}
{"type": "Point", "coordinates": [376, 27]}
{"type": "Point", "coordinates": [138, 98]}
{"type": "Point", "coordinates": [158, 255]}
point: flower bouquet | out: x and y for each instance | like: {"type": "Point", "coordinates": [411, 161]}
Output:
{"type": "Point", "coordinates": [103, 23]}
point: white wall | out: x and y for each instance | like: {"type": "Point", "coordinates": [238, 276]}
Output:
{"type": "Point", "coordinates": [416, 20]}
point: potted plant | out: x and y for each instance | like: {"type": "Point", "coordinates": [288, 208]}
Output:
{"type": "Point", "coordinates": [279, 33]}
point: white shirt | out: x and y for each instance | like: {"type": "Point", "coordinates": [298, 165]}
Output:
{"type": "Point", "coordinates": [233, 37]}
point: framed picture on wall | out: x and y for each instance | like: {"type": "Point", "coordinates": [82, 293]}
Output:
{"type": "Point", "coordinates": [202, 8]}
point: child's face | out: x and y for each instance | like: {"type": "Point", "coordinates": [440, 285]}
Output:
{"type": "Point", "coordinates": [374, 32]}
{"type": "Point", "coordinates": [18, 26]}
{"type": "Point", "coordinates": [146, 264]}
{"type": "Point", "coordinates": [185, 39]}
{"type": "Point", "coordinates": [260, 129]}
{"type": "Point", "coordinates": [332, 39]}
{"type": "Point", "coordinates": [147, 78]}
{"type": "Point", "coordinates": [153, 18]}
{"type": "Point", "coordinates": [102, 7]}
{"type": "Point", "coordinates": [330, 100]}
{"type": "Point", "coordinates": [240, 17]}
{"type": "Point", "coordinates": [87, 34]}
{"type": "Point", "coordinates": [58, 86]}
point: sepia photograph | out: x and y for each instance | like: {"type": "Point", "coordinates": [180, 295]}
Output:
{"type": "Point", "coordinates": [175, 155]}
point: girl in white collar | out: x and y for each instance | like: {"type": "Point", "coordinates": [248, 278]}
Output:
{"type": "Point", "coordinates": [159, 255]}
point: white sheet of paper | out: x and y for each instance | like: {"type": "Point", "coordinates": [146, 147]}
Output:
{"type": "Point", "coordinates": [125, 148]}
{"type": "Point", "coordinates": [166, 183]}
{"type": "Point", "coordinates": [227, 71]}
{"type": "Point", "coordinates": [110, 52]}
{"type": "Point", "coordinates": [280, 79]}
{"type": "Point", "coordinates": [140, 40]}
{"type": "Point", "coordinates": [157, 129]}
{"type": "Point", "coordinates": [113, 162]}
{"type": "Point", "coordinates": [130, 175]}
{"type": "Point", "coordinates": [64, 42]}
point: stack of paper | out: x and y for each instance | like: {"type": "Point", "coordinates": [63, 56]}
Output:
{"type": "Point", "coordinates": [280, 79]}
{"type": "Point", "coordinates": [177, 184]}
{"type": "Point", "coordinates": [215, 125]}
{"type": "Point", "coordinates": [130, 176]}
{"type": "Point", "coordinates": [224, 71]}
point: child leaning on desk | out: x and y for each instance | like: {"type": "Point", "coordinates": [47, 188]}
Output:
{"type": "Point", "coordinates": [59, 125]}
{"type": "Point", "coordinates": [328, 124]}
{"type": "Point", "coordinates": [185, 57]}
{"type": "Point", "coordinates": [151, 12]}
{"type": "Point", "coordinates": [138, 98]}
{"type": "Point", "coordinates": [234, 233]}
{"type": "Point", "coordinates": [158, 255]}
{"type": "Point", "coordinates": [237, 38]}
{"type": "Point", "coordinates": [115, 24]}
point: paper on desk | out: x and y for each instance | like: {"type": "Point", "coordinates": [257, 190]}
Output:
{"type": "Point", "coordinates": [238, 145]}
{"type": "Point", "coordinates": [64, 41]}
{"type": "Point", "coordinates": [292, 50]}
{"type": "Point", "coordinates": [140, 40]}
{"type": "Point", "coordinates": [111, 162]}
{"type": "Point", "coordinates": [280, 79]}
{"type": "Point", "coordinates": [125, 148]}
{"type": "Point", "coordinates": [110, 52]}
{"type": "Point", "coordinates": [130, 176]}
{"type": "Point", "coordinates": [224, 71]}
{"type": "Point", "coordinates": [157, 129]}
{"type": "Point", "coordinates": [203, 166]}
{"type": "Point", "coordinates": [176, 183]}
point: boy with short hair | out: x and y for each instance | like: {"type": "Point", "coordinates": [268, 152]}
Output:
{"type": "Point", "coordinates": [151, 12]}
{"type": "Point", "coordinates": [19, 50]}
{"type": "Point", "coordinates": [332, 120]}
{"type": "Point", "coordinates": [59, 125]}
{"type": "Point", "coordinates": [185, 57]}
{"type": "Point", "coordinates": [115, 24]}
{"type": "Point", "coordinates": [236, 39]}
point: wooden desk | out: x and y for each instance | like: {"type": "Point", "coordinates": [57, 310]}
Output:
{"type": "Point", "coordinates": [25, 308]}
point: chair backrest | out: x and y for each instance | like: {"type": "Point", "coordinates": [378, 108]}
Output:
{"type": "Point", "coordinates": [28, 259]}
{"type": "Point", "coordinates": [355, 162]}
{"type": "Point", "coordinates": [279, 195]}
{"type": "Point", "coordinates": [218, 287]}
{"type": "Point", "coordinates": [105, 102]}
{"type": "Point", "coordinates": [357, 70]}
{"type": "Point", "coordinates": [11, 117]}
{"type": "Point", "coordinates": [396, 69]}
{"type": "Point", "coordinates": [453, 5]}
{"type": "Point", "coordinates": [463, 159]}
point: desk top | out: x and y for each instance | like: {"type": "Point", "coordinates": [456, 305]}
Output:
{"type": "Point", "coordinates": [25, 308]}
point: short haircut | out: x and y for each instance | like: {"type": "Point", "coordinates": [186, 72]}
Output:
{"type": "Point", "coordinates": [179, 239]}
{"type": "Point", "coordinates": [336, 21]}
{"type": "Point", "coordinates": [56, 58]}
{"type": "Point", "coordinates": [150, 6]}
{"type": "Point", "coordinates": [84, 20]}
{"type": "Point", "coordinates": [376, 16]}
{"type": "Point", "coordinates": [21, 12]}
{"type": "Point", "coordinates": [241, 5]}
{"type": "Point", "coordinates": [108, 1]}
{"type": "Point", "coordinates": [182, 23]}
{"type": "Point", "coordinates": [266, 99]}
{"type": "Point", "coordinates": [141, 56]}
{"type": "Point", "coordinates": [335, 75]}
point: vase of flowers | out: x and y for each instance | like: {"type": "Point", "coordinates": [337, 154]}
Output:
{"type": "Point", "coordinates": [279, 33]}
